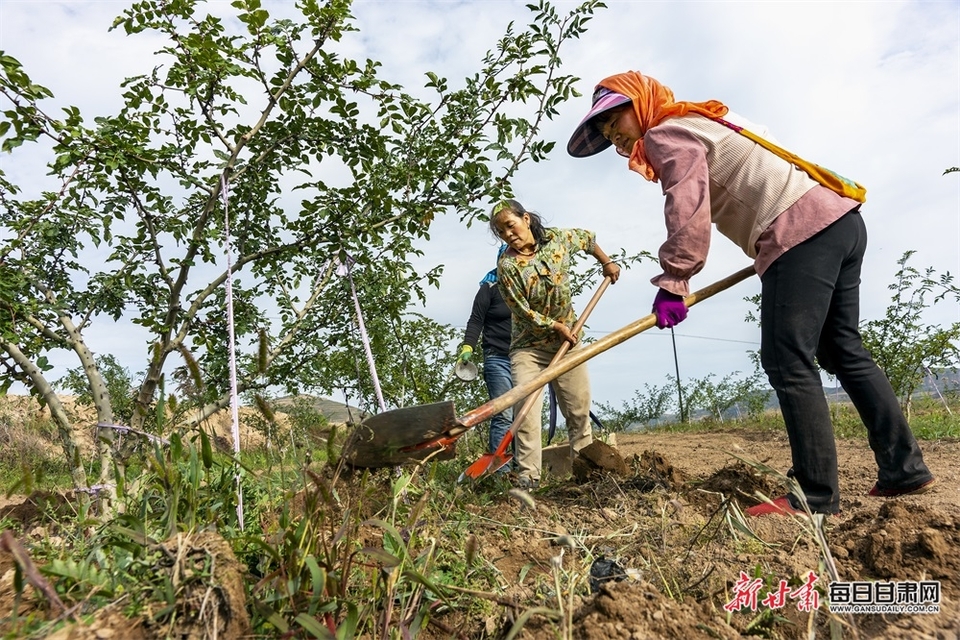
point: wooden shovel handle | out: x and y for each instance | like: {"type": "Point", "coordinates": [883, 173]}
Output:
{"type": "Point", "coordinates": [578, 357]}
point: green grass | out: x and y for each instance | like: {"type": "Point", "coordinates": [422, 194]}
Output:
{"type": "Point", "coordinates": [30, 460]}
{"type": "Point", "coordinates": [28, 455]}
{"type": "Point", "coordinates": [307, 540]}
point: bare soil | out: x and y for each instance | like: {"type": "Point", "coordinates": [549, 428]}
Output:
{"type": "Point", "coordinates": [663, 526]}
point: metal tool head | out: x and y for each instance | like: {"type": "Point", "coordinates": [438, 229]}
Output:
{"type": "Point", "coordinates": [466, 371]}
{"type": "Point", "coordinates": [488, 463]}
{"type": "Point", "coordinates": [390, 438]}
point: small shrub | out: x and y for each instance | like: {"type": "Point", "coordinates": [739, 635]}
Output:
{"type": "Point", "coordinates": [27, 453]}
{"type": "Point", "coordinates": [307, 424]}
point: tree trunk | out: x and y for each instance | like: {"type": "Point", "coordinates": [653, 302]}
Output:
{"type": "Point", "coordinates": [57, 413]}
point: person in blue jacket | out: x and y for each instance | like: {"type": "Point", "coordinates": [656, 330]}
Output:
{"type": "Point", "coordinates": [489, 324]}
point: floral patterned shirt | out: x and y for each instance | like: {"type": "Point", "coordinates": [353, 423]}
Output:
{"type": "Point", "coordinates": [537, 288]}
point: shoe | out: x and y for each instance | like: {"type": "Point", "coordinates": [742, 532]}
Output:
{"type": "Point", "coordinates": [527, 483]}
{"type": "Point", "coordinates": [780, 506]}
{"type": "Point", "coordinates": [912, 490]}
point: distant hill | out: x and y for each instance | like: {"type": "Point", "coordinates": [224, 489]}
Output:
{"type": "Point", "coordinates": [333, 410]}
{"type": "Point", "coordinates": [940, 383]}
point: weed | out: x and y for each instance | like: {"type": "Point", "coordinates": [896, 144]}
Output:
{"type": "Point", "coordinates": [931, 419]}
{"type": "Point", "coordinates": [812, 528]}
{"type": "Point", "coordinates": [27, 453]}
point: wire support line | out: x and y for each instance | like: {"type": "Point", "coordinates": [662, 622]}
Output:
{"type": "Point", "coordinates": [600, 332]}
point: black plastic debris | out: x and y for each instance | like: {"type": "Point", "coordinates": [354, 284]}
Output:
{"type": "Point", "coordinates": [604, 570]}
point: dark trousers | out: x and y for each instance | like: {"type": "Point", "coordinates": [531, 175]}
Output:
{"type": "Point", "coordinates": [811, 307]}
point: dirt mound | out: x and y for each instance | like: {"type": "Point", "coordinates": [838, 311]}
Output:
{"type": "Point", "coordinates": [22, 418]}
{"type": "Point", "coordinates": [651, 469]}
{"type": "Point", "coordinates": [38, 506]}
{"type": "Point", "coordinates": [739, 481]}
{"type": "Point", "coordinates": [597, 458]}
{"type": "Point", "coordinates": [631, 610]}
{"type": "Point", "coordinates": [906, 542]}
{"type": "Point", "coordinates": [209, 583]}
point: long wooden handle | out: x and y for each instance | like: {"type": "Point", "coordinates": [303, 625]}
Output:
{"type": "Point", "coordinates": [532, 398]}
{"type": "Point", "coordinates": [579, 356]}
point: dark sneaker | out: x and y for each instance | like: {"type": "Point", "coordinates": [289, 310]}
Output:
{"type": "Point", "coordinates": [911, 490]}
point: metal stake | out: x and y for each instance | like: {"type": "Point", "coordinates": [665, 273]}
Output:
{"type": "Point", "coordinates": [676, 364]}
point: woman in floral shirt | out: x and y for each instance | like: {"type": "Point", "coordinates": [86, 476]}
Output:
{"type": "Point", "coordinates": [533, 276]}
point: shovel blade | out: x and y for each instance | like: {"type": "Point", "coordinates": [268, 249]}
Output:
{"type": "Point", "coordinates": [499, 462]}
{"type": "Point", "coordinates": [390, 438]}
{"type": "Point", "coordinates": [487, 463]}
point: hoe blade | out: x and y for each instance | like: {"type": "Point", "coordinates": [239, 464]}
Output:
{"type": "Point", "coordinates": [380, 440]}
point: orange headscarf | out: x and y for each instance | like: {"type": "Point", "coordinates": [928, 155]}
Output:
{"type": "Point", "coordinates": [653, 102]}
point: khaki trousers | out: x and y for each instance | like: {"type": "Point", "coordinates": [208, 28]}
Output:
{"type": "Point", "coordinates": [573, 399]}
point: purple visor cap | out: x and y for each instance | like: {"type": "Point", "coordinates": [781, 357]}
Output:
{"type": "Point", "coordinates": [586, 139]}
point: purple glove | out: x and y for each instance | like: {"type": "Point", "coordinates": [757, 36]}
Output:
{"type": "Point", "coordinates": [669, 308]}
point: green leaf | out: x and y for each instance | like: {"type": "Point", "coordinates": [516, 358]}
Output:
{"type": "Point", "coordinates": [380, 555]}
{"type": "Point", "coordinates": [314, 627]}
{"type": "Point", "coordinates": [206, 451]}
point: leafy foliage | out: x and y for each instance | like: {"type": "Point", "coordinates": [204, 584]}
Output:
{"type": "Point", "coordinates": [903, 345]}
{"type": "Point", "coordinates": [261, 158]}
{"type": "Point", "coordinates": [119, 384]}
{"type": "Point", "coordinates": [643, 409]}
{"type": "Point", "coordinates": [746, 397]}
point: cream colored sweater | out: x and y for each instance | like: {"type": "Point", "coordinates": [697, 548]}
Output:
{"type": "Point", "coordinates": [749, 185]}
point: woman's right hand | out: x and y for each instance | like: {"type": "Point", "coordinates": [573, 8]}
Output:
{"type": "Point", "coordinates": [564, 331]}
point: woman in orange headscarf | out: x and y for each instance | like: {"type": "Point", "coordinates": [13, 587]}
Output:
{"type": "Point", "coordinates": [807, 242]}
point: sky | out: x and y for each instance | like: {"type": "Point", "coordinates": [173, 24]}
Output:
{"type": "Point", "coordinates": [868, 89]}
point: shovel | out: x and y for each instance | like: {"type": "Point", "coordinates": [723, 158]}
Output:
{"type": "Point", "coordinates": [411, 434]}
{"type": "Point", "coordinates": [493, 461]}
